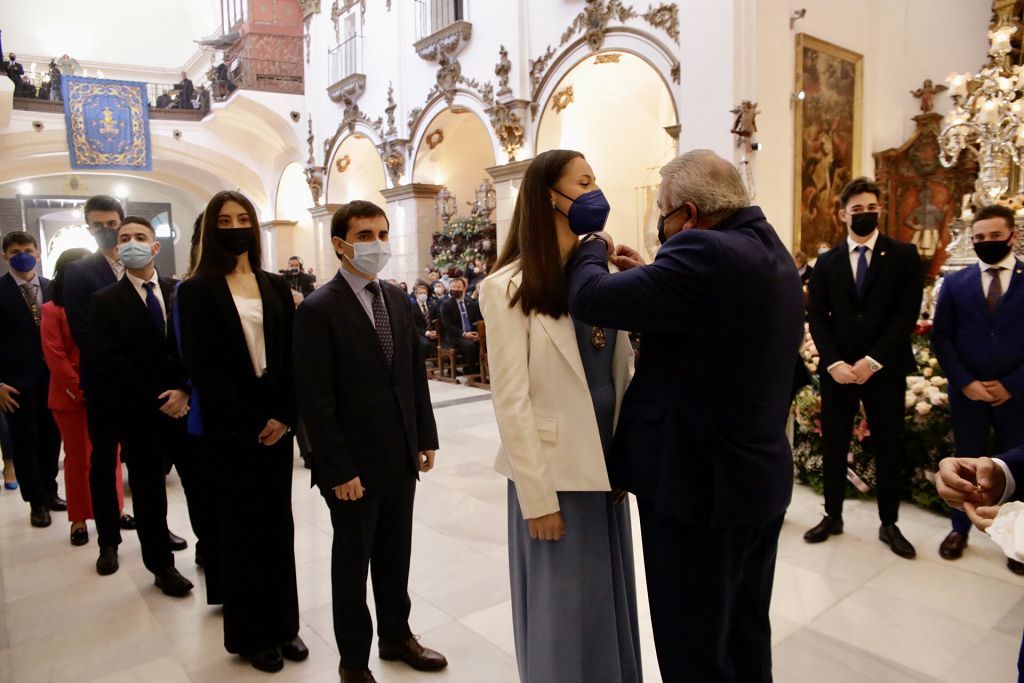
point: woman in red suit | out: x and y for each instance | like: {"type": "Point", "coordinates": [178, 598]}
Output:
{"type": "Point", "coordinates": [67, 402]}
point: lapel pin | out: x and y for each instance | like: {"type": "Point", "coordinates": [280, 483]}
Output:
{"type": "Point", "coordinates": [882, 254]}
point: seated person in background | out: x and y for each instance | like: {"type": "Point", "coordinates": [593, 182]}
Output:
{"type": "Point", "coordinates": [422, 315]}
{"type": "Point", "coordinates": [460, 317]}
{"type": "Point", "coordinates": [164, 100]}
{"type": "Point", "coordinates": [802, 267]}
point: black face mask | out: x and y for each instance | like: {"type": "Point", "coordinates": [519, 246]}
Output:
{"type": "Point", "coordinates": [863, 224]}
{"type": "Point", "coordinates": [106, 238]}
{"type": "Point", "coordinates": [992, 252]}
{"type": "Point", "coordinates": [235, 240]}
{"type": "Point", "coordinates": [662, 237]}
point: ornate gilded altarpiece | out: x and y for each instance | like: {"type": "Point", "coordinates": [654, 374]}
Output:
{"type": "Point", "coordinates": [921, 197]}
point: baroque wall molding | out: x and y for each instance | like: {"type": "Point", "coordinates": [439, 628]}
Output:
{"type": "Point", "coordinates": [394, 154]}
{"type": "Point", "coordinates": [449, 41]}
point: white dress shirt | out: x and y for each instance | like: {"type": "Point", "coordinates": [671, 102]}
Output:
{"type": "Point", "coordinates": [855, 255]}
{"type": "Point", "coordinates": [1008, 265]}
{"type": "Point", "coordinates": [137, 283]}
{"type": "Point", "coordinates": [116, 266]}
{"type": "Point", "coordinates": [364, 296]}
{"type": "Point", "coordinates": [250, 313]}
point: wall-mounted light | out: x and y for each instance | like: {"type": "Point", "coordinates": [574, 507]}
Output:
{"type": "Point", "coordinates": [796, 16]}
{"type": "Point", "coordinates": [25, 188]}
{"type": "Point", "coordinates": [798, 96]}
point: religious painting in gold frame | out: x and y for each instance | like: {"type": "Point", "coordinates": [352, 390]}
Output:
{"type": "Point", "coordinates": [828, 137]}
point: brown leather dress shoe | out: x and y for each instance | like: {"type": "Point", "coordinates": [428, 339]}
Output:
{"type": "Point", "coordinates": [952, 547]}
{"type": "Point", "coordinates": [412, 653]}
{"type": "Point", "coordinates": [356, 675]}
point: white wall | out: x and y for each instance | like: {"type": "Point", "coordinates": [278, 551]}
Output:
{"type": "Point", "coordinates": [903, 42]}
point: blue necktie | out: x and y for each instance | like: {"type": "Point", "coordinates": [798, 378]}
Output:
{"type": "Point", "coordinates": [862, 267]}
{"type": "Point", "coordinates": [466, 327]}
{"type": "Point", "coordinates": [156, 313]}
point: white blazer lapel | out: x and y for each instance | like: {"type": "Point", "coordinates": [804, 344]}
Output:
{"type": "Point", "coordinates": [563, 335]}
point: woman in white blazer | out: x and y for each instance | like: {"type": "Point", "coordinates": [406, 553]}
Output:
{"type": "Point", "coordinates": [557, 385]}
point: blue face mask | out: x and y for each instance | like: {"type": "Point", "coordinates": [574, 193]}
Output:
{"type": "Point", "coordinates": [134, 254]}
{"type": "Point", "coordinates": [23, 262]}
{"type": "Point", "coordinates": [588, 213]}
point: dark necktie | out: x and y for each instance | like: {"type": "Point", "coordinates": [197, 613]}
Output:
{"type": "Point", "coordinates": [156, 314]}
{"type": "Point", "coordinates": [466, 327]}
{"type": "Point", "coordinates": [426, 312]}
{"type": "Point", "coordinates": [862, 267]}
{"type": "Point", "coordinates": [381, 322]}
{"type": "Point", "coordinates": [29, 292]}
{"type": "Point", "coordinates": [995, 289]}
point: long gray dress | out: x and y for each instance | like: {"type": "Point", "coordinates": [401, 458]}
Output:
{"type": "Point", "coordinates": [574, 600]}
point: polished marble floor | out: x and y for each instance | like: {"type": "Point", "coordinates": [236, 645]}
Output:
{"type": "Point", "coordinates": [848, 610]}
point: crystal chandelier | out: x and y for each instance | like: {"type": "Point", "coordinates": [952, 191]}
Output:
{"type": "Point", "coordinates": [987, 119]}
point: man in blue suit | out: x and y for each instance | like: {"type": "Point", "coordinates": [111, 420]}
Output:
{"type": "Point", "coordinates": [701, 437]}
{"type": "Point", "coordinates": [978, 338]}
{"type": "Point", "coordinates": [25, 379]}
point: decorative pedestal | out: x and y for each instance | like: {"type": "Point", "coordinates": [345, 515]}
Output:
{"type": "Point", "coordinates": [413, 224]}
{"type": "Point", "coordinates": [507, 180]}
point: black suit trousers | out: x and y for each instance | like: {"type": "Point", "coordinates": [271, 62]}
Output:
{"type": "Point", "coordinates": [251, 553]}
{"type": "Point", "coordinates": [102, 415]}
{"type": "Point", "coordinates": [373, 533]}
{"type": "Point", "coordinates": [469, 350]}
{"type": "Point", "coordinates": [883, 399]}
{"type": "Point", "coordinates": [35, 441]}
{"type": "Point", "coordinates": [709, 592]}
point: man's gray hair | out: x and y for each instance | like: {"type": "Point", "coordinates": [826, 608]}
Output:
{"type": "Point", "coordinates": [713, 184]}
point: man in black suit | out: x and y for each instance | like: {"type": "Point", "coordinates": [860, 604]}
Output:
{"type": "Point", "coordinates": [25, 379]}
{"type": "Point", "coordinates": [363, 395]}
{"type": "Point", "coordinates": [297, 278]}
{"type": "Point", "coordinates": [186, 91]}
{"type": "Point", "coordinates": [148, 390]}
{"type": "Point", "coordinates": [460, 314]}
{"type": "Point", "coordinates": [423, 314]}
{"type": "Point", "coordinates": [85, 277]}
{"type": "Point", "coordinates": [701, 438]}
{"type": "Point", "coordinates": [865, 297]}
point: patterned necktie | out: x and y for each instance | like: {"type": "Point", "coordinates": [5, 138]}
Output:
{"type": "Point", "coordinates": [466, 327]}
{"type": "Point", "coordinates": [862, 267]}
{"type": "Point", "coordinates": [995, 289]}
{"type": "Point", "coordinates": [156, 313]}
{"type": "Point", "coordinates": [381, 322]}
{"type": "Point", "coordinates": [29, 292]}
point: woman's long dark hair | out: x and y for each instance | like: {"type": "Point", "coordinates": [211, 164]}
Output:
{"type": "Point", "coordinates": [213, 258]}
{"type": "Point", "coordinates": [193, 254]}
{"type": "Point", "coordinates": [533, 239]}
{"type": "Point", "coordinates": [57, 282]}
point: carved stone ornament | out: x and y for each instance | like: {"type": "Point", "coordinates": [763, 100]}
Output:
{"type": "Point", "coordinates": [448, 75]}
{"type": "Point", "coordinates": [309, 141]}
{"type": "Point", "coordinates": [343, 163]}
{"type": "Point", "coordinates": [502, 70]}
{"type": "Point", "coordinates": [393, 154]}
{"type": "Point", "coordinates": [336, 20]}
{"type": "Point", "coordinates": [675, 73]}
{"type": "Point", "coordinates": [315, 180]}
{"type": "Point", "coordinates": [508, 128]}
{"type": "Point", "coordinates": [562, 99]}
{"type": "Point", "coordinates": [389, 111]}
{"type": "Point", "coordinates": [309, 8]}
{"type": "Point", "coordinates": [307, 37]}
{"type": "Point", "coordinates": [665, 17]}
{"type": "Point", "coordinates": [414, 116]}
{"type": "Point", "coordinates": [434, 139]}
{"type": "Point", "coordinates": [448, 41]}
{"type": "Point", "coordinates": [608, 58]}
{"type": "Point", "coordinates": [348, 90]}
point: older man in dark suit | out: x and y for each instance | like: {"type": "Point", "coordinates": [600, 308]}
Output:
{"type": "Point", "coordinates": [25, 379]}
{"type": "Point", "coordinates": [701, 438]}
{"type": "Point", "coordinates": [865, 297]}
{"type": "Point", "coordinates": [363, 396]}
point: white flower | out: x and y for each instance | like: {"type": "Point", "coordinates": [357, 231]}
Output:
{"type": "Point", "coordinates": [927, 372]}
{"type": "Point", "coordinates": [933, 362]}
{"type": "Point", "coordinates": [939, 381]}
{"type": "Point", "coordinates": [910, 400]}
{"type": "Point", "coordinates": [923, 408]}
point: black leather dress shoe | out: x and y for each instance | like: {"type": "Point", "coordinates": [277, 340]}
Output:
{"type": "Point", "coordinates": [40, 516]}
{"type": "Point", "coordinates": [269, 661]}
{"type": "Point", "coordinates": [127, 523]}
{"type": "Point", "coordinates": [57, 504]}
{"type": "Point", "coordinates": [829, 526]}
{"type": "Point", "coordinates": [107, 563]}
{"type": "Point", "coordinates": [952, 546]}
{"type": "Point", "coordinates": [295, 650]}
{"type": "Point", "coordinates": [890, 535]}
{"type": "Point", "coordinates": [172, 583]}
{"type": "Point", "coordinates": [1015, 566]}
{"type": "Point", "coordinates": [177, 542]}
{"type": "Point", "coordinates": [412, 653]}
{"type": "Point", "coordinates": [79, 536]}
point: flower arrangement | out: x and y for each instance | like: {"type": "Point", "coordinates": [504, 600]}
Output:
{"type": "Point", "coordinates": [927, 435]}
{"type": "Point", "coordinates": [461, 242]}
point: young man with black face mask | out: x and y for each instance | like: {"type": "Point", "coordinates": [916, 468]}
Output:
{"type": "Point", "coordinates": [460, 314]}
{"type": "Point", "coordinates": [978, 339]}
{"type": "Point", "coordinates": [865, 297]}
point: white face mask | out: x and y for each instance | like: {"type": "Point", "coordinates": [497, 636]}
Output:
{"type": "Point", "coordinates": [370, 257]}
{"type": "Point", "coordinates": [422, 298]}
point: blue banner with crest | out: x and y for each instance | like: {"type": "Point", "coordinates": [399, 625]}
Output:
{"type": "Point", "coordinates": [107, 124]}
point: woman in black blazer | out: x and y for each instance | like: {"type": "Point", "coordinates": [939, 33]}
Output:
{"type": "Point", "coordinates": [236, 323]}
